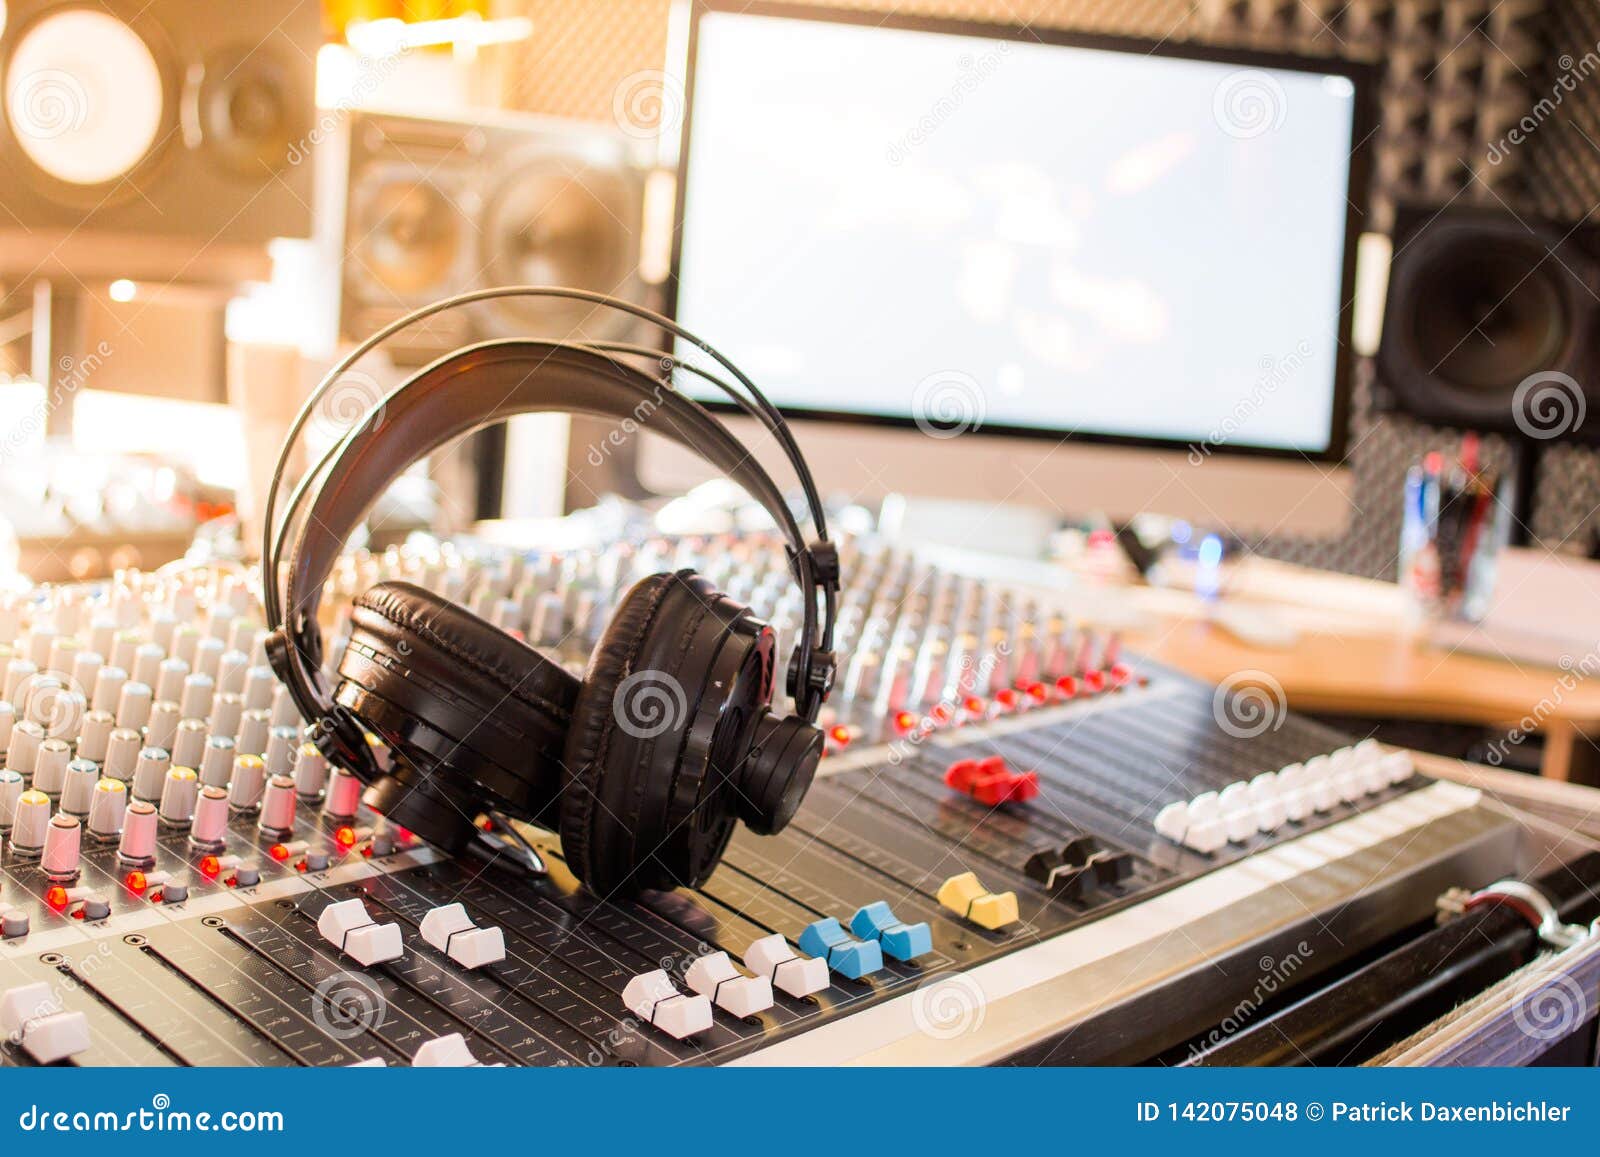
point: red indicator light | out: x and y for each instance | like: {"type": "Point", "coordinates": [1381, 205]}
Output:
{"type": "Point", "coordinates": [1038, 692]}
{"type": "Point", "coordinates": [940, 713]}
{"type": "Point", "coordinates": [345, 837]}
{"type": "Point", "coordinates": [1067, 685]}
{"type": "Point", "coordinates": [136, 881]}
{"type": "Point", "coordinates": [56, 897]}
{"type": "Point", "coordinates": [1096, 680]}
{"type": "Point", "coordinates": [1007, 698]}
{"type": "Point", "coordinates": [278, 852]}
{"type": "Point", "coordinates": [974, 705]}
{"type": "Point", "coordinates": [840, 735]}
{"type": "Point", "coordinates": [210, 866]}
{"type": "Point", "coordinates": [905, 721]}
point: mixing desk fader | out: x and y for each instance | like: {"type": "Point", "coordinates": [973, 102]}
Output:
{"type": "Point", "coordinates": [1022, 845]}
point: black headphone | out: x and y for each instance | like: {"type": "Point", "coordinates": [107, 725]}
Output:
{"type": "Point", "coordinates": [646, 764]}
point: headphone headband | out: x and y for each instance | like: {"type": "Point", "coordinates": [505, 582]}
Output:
{"type": "Point", "coordinates": [487, 383]}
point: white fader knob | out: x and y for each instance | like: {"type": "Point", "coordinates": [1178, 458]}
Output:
{"type": "Point", "coordinates": [33, 1017]}
{"type": "Point", "coordinates": [349, 928]}
{"type": "Point", "coordinates": [107, 808]}
{"type": "Point", "coordinates": [772, 957]}
{"type": "Point", "coordinates": [451, 931]}
{"type": "Point", "coordinates": [714, 976]}
{"type": "Point", "coordinates": [651, 997]}
{"type": "Point", "coordinates": [446, 1052]}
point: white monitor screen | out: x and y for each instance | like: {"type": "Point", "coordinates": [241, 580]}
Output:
{"type": "Point", "coordinates": [986, 233]}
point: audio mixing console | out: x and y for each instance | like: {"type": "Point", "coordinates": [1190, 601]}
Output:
{"type": "Point", "coordinates": [1022, 846]}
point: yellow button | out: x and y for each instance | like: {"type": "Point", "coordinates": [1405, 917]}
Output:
{"type": "Point", "coordinates": [966, 896]}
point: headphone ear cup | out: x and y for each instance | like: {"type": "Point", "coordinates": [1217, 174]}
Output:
{"type": "Point", "coordinates": [593, 725]}
{"type": "Point", "coordinates": [476, 718]}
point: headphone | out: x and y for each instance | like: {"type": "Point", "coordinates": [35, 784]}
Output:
{"type": "Point", "coordinates": [643, 766]}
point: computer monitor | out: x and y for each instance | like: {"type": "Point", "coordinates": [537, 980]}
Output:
{"type": "Point", "coordinates": [1021, 266]}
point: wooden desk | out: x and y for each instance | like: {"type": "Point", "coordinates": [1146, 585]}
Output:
{"type": "Point", "coordinates": [1359, 653]}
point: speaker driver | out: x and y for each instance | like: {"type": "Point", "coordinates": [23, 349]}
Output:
{"type": "Point", "coordinates": [84, 97]}
{"type": "Point", "coordinates": [1478, 303]}
{"type": "Point", "coordinates": [242, 107]}
{"type": "Point", "coordinates": [548, 222]}
{"type": "Point", "coordinates": [414, 239]}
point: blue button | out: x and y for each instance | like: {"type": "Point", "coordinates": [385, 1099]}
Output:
{"type": "Point", "coordinates": [902, 941]}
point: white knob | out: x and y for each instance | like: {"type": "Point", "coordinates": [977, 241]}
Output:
{"type": "Point", "coordinates": [249, 780]}
{"type": "Point", "coordinates": [195, 702]}
{"type": "Point", "coordinates": [216, 765]}
{"type": "Point", "coordinates": [310, 772]}
{"type": "Point", "coordinates": [189, 744]}
{"type": "Point", "coordinates": [227, 710]}
{"type": "Point", "coordinates": [259, 684]}
{"type": "Point", "coordinates": [50, 767]}
{"type": "Point", "coordinates": [107, 807]}
{"type": "Point", "coordinates": [150, 773]}
{"type": "Point", "coordinates": [449, 929]}
{"type": "Point", "coordinates": [169, 680]}
{"type": "Point", "coordinates": [349, 928]}
{"type": "Point", "coordinates": [18, 673]}
{"type": "Point", "coordinates": [284, 712]}
{"type": "Point", "coordinates": [210, 819]}
{"type": "Point", "coordinates": [772, 957]}
{"type": "Point", "coordinates": [108, 685]}
{"type": "Point", "coordinates": [280, 750]}
{"type": "Point", "coordinates": [163, 725]}
{"type": "Point", "coordinates": [178, 794]}
{"type": "Point", "coordinates": [208, 656]}
{"type": "Point", "coordinates": [8, 720]}
{"type": "Point", "coordinates": [95, 735]}
{"type": "Point", "coordinates": [651, 997]}
{"type": "Point", "coordinates": [277, 805]}
{"type": "Point", "coordinates": [253, 731]}
{"type": "Point", "coordinates": [11, 789]}
{"type": "Point", "coordinates": [24, 750]}
{"type": "Point", "coordinates": [122, 753]}
{"type": "Point", "coordinates": [29, 823]}
{"type": "Point", "coordinates": [714, 976]}
{"type": "Point", "coordinates": [344, 795]}
{"type": "Point", "coordinates": [231, 671]}
{"type": "Point", "coordinates": [78, 792]}
{"type": "Point", "coordinates": [133, 706]}
{"type": "Point", "coordinates": [147, 662]}
{"type": "Point", "coordinates": [61, 847]}
{"type": "Point", "coordinates": [139, 829]}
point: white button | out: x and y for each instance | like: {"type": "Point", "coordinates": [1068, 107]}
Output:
{"type": "Point", "coordinates": [715, 976]}
{"type": "Point", "coordinates": [772, 957]}
{"type": "Point", "coordinates": [451, 931]}
{"type": "Point", "coordinates": [347, 926]}
{"type": "Point", "coordinates": [445, 1052]}
{"type": "Point", "coordinates": [651, 997]}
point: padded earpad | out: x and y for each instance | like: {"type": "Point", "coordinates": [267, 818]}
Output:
{"type": "Point", "coordinates": [516, 668]}
{"type": "Point", "coordinates": [589, 735]}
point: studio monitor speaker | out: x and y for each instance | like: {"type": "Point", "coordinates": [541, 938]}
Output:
{"type": "Point", "coordinates": [167, 118]}
{"type": "Point", "coordinates": [1492, 322]}
{"type": "Point", "coordinates": [438, 207]}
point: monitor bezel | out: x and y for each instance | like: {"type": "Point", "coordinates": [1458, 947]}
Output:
{"type": "Point", "coordinates": [1361, 75]}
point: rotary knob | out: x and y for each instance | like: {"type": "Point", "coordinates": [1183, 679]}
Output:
{"type": "Point", "coordinates": [95, 736]}
{"type": "Point", "coordinates": [210, 820]}
{"type": "Point", "coordinates": [77, 794]}
{"type": "Point", "coordinates": [50, 767]}
{"type": "Point", "coordinates": [139, 828]}
{"type": "Point", "coordinates": [133, 706]}
{"type": "Point", "coordinates": [277, 806]}
{"type": "Point", "coordinates": [249, 780]}
{"type": "Point", "coordinates": [150, 773]}
{"type": "Point", "coordinates": [62, 844]}
{"type": "Point", "coordinates": [106, 809]}
{"type": "Point", "coordinates": [189, 744]}
{"type": "Point", "coordinates": [344, 795]}
{"type": "Point", "coordinates": [179, 792]}
{"type": "Point", "coordinates": [163, 725]}
{"type": "Point", "coordinates": [30, 823]}
{"type": "Point", "coordinates": [216, 765]}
